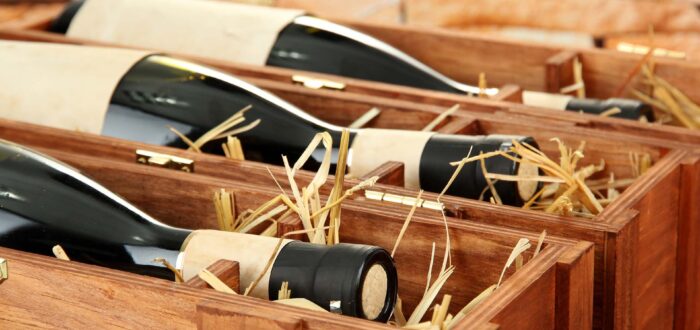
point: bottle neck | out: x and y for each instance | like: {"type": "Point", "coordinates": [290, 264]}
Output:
{"type": "Point", "coordinates": [47, 203]}
{"type": "Point", "coordinates": [343, 273]}
{"type": "Point", "coordinates": [160, 92]}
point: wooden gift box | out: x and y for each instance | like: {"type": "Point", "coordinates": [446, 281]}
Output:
{"type": "Point", "coordinates": [463, 56]}
{"type": "Point", "coordinates": [620, 249]}
{"type": "Point", "coordinates": [667, 194]}
{"type": "Point", "coordinates": [46, 292]}
{"type": "Point", "coordinates": [555, 70]}
{"type": "Point", "coordinates": [549, 67]}
{"type": "Point", "coordinates": [623, 304]}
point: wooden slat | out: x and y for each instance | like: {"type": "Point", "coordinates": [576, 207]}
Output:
{"type": "Point", "coordinates": [599, 231]}
{"type": "Point", "coordinates": [226, 270]}
{"type": "Point", "coordinates": [559, 69]}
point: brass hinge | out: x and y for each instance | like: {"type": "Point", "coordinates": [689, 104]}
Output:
{"type": "Point", "coordinates": [317, 83]}
{"type": "Point", "coordinates": [404, 200]}
{"type": "Point", "coordinates": [165, 161]}
{"type": "Point", "coordinates": [4, 271]}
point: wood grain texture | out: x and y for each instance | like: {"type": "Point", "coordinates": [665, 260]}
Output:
{"type": "Point", "coordinates": [688, 283]}
{"type": "Point", "coordinates": [599, 231]}
{"type": "Point", "coordinates": [228, 271]}
{"type": "Point", "coordinates": [478, 252]}
{"type": "Point", "coordinates": [391, 173]}
{"type": "Point", "coordinates": [509, 93]}
{"type": "Point", "coordinates": [560, 68]}
{"type": "Point", "coordinates": [575, 296]}
{"type": "Point", "coordinates": [667, 135]}
{"type": "Point", "coordinates": [44, 292]}
{"type": "Point", "coordinates": [603, 71]}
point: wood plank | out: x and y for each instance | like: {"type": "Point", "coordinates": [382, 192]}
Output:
{"type": "Point", "coordinates": [688, 282]}
{"type": "Point", "coordinates": [227, 271]}
{"type": "Point", "coordinates": [560, 70]}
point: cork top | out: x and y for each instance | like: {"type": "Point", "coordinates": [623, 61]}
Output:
{"type": "Point", "coordinates": [374, 289]}
{"type": "Point", "coordinates": [527, 188]}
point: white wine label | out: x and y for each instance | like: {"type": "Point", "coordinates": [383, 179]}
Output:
{"type": "Point", "coordinates": [63, 86]}
{"type": "Point", "coordinates": [546, 100]}
{"type": "Point", "coordinates": [374, 147]}
{"type": "Point", "coordinates": [252, 252]}
{"type": "Point", "coordinates": [204, 28]}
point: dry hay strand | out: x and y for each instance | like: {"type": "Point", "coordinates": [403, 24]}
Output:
{"type": "Point", "coordinates": [60, 253]}
{"type": "Point", "coordinates": [271, 259]}
{"type": "Point", "coordinates": [565, 190]}
{"type": "Point", "coordinates": [215, 282]}
{"type": "Point", "coordinates": [232, 147]}
{"type": "Point", "coordinates": [365, 118]}
{"type": "Point", "coordinates": [483, 85]}
{"type": "Point", "coordinates": [306, 203]}
{"type": "Point", "coordinates": [168, 265]}
{"type": "Point", "coordinates": [224, 203]}
{"type": "Point", "coordinates": [675, 107]}
{"type": "Point", "coordinates": [440, 118]}
{"type": "Point", "coordinates": [284, 292]}
{"type": "Point", "coordinates": [579, 85]}
{"type": "Point", "coordinates": [516, 256]}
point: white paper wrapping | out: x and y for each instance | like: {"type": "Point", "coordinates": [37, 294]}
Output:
{"type": "Point", "coordinates": [546, 100]}
{"type": "Point", "coordinates": [61, 86]}
{"type": "Point", "coordinates": [204, 247]}
{"type": "Point", "coordinates": [373, 147]}
{"type": "Point", "coordinates": [203, 28]}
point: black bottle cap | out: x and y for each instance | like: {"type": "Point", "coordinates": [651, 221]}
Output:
{"type": "Point", "coordinates": [435, 170]}
{"type": "Point", "coordinates": [354, 279]}
{"type": "Point", "coordinates": [62, 22]}
{"type": "Point", "coordinates": [629, 109]}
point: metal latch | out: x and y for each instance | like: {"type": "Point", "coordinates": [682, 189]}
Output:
{"type": "Point", "coordinates": [165, 161]}
{"type": "Point", "coordinates": [4, 272]}
{"type": "Point", "coordinates": [404, 200]}
{"type": "Point", "coordinates": [317, 83]}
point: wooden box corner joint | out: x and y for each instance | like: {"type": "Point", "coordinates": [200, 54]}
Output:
{"type": "Point", "coordinates": [228, 271]}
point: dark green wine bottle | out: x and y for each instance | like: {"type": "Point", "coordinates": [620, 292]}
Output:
{"type": "Point", "coordinates": [44, 203]}
{"type": "Point", "coordinates": [312, 44]}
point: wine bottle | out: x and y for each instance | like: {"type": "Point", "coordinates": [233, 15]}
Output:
{"type": "Point", "coordinates": [156, 91]}
{"type": "Point", "coordinates": [287, 39]}
{"type": "Point", "coordinates": [46, 202]}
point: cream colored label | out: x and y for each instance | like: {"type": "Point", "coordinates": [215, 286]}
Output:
{"type": "Point", "coordinates": [204, 28]}
{"type": "Point", "coordinates": [374, 147]}
{"type": "Point", "coordinates": [546, 100]}
{"type": "Point", "coordinates": [252, 252]}
{"type": "Point", "coordinates": [61, 86]}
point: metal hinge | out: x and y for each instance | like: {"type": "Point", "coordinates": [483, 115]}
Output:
{"type": "Point", "coordinates": [4, 271]}
{"type": "Point", "coordinates": [317, 83]}
{"type": "Point", "coordinates": [404, 200]}
{"type": "Point", "coordinates": [165, 161]}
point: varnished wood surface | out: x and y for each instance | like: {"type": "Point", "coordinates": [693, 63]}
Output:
{"type": "Point", "coordinates": [43, 292]}
{"type": "Point", "coordinates": [688, 283]}
{"type": "Point", "coordinates": [667, 135]}
{"type": "Point", "coordinates": [228, 271]}
{"type": "Point", "coordinates": [478, 250]}
{"type": "Point", "coordinates": [599, 65]}
{"type": "Point", "coordinates": [79, 145]}
{"type": "Point", "coordinates": [603, 236]}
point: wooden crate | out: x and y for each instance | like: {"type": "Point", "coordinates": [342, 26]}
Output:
{"type": "Point", "coordinates": [548, 69]}
{"type": "Point", "coordinates": [621, 237]}
{"type": "Point", "coordinates": [46, 292]}
{"type": "Point", "coordinates": [462, 57]}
